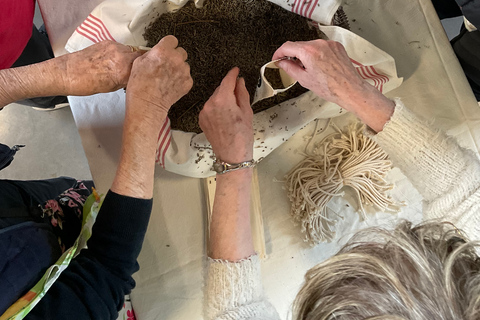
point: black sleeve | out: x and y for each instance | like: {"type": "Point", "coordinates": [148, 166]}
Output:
{"type": "Point", "coordinates": [95, 283]}
{"type": "Point", "coordinates": [471, 11]}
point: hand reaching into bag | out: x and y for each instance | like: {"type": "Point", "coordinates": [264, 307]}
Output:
{"type": "Point", "coordinates": [325, 68]}
{"type": "Point", "coordinates": [322, 67]}
{"type": "Point", "coordinates": [226, 120]}
{"type": "Point", "coordinates": [159, 78]}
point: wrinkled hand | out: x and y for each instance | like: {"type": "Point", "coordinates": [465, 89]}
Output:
{"type": "Point", "coordinates": [160, 77]}
{"type": "Point", "coordinates": [322, 67]}
{"type": "Point", "coordinates": [226, 120]}
{"type": "Point", "coordinates": [102, 67]}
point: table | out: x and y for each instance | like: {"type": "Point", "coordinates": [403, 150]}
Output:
{"type": "Point", "coordinates": [169, 283]}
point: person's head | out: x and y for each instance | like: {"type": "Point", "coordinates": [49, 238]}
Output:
{"type": "Point", "coordinates": [426, 272]}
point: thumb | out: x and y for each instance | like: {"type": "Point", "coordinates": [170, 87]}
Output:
{"type": "Point", "coordinates": [292, 68]}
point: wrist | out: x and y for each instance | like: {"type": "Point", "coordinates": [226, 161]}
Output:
{"type": "Point", "coordinates": [370, 106]}
{"type": "Point", "coordinates": [143, 111]}
{"type": "Point", "coordinates": [353, 94]}
{"type": "Point", "coordinates": [5, 94]}
{"type": "Point", "coordinates": [241, 154]}
{"type": "Point", "coordinates": [244, 174]}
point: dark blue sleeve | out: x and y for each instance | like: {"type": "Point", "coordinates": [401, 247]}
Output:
{"type": "Point", "coordinates": [471, 11]}
{"type": "Point", "coordinates": [95, 283]}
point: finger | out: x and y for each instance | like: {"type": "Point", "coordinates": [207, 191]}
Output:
{"type": "Point", "coordinates": [137, 54]}
{"type": "Point", "coordinates": [182, 52]}
{"type": "Point", "coordinates": [168, 41]}
{"type": "Point", "coordinates": [292, 68]}
{"type": "Point", "coordinates": [241, 94]}
{"type": "Point", "coordinates": [230, 81]}
{"type": "Point", "coordinates": [288, 49]}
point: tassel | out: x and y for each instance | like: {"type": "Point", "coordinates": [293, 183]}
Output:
{"type": "Point", "coordinates": [341, 159]}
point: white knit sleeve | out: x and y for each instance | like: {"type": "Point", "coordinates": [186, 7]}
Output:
{"type": "Point", "coordinates": [447, 176]}
{"type": "Point", "coordinates": [234, 291]}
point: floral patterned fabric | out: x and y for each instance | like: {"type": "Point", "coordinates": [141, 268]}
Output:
{"type": "Point", "coordinates": [64, 213]}
{"type": "Point", "coordinates": [127, 312]}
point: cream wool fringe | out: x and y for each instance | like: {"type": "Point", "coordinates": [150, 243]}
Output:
{"type": "Point", "coordinates": [341, 159]}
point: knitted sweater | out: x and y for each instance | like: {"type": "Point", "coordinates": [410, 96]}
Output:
{"type": "Point", "coordinates": [446, 175]}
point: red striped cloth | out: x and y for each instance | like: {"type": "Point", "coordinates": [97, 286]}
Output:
{"type": "Point", "coordinates": [369, 72]}
{"type": "Point", "coordinates": [16, 22]}
{"type": "Point", "coordinates": [164, 140]}
{"type": "Point", "coordinates": [304, 7]}
{"type": "Point", "coordinates": [94, 30]}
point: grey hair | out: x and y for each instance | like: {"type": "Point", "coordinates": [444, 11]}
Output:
{"type": "Point", "coordinates": [430, 271]}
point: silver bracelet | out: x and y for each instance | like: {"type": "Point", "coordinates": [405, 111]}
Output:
{"type": "Point", "coordinates": [221, 167]}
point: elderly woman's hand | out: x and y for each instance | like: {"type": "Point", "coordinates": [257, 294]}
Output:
{"type": "Point", "coordinates": [102, 67]}
{"type": "Point", "coordinates": [323, 67]}
{"type": "Point", "coordinates": [226, 120]}
{"type": "Point", "coordinates": [159, 78]}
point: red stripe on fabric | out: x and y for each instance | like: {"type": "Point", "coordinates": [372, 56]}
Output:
{"type": "Point", "coordinates": [378, 81]}
{"type": "Point", "coordinates": [159, 146]}
{"type": "Point", "coordinates": [358, 71]}
{"type": "Point", "coordinates": [166, 148]}
{"type": "Point", "coordinates": [369, 73]}
{"type": "Point", "coordinates": [103, 25]}
{"type": "Point", "coordinates": [84, 33]}
{"type": "Point", "coordinates": [164, 136]}
{"type": "Point", "coordinates": [94, 30]}
{"type": "Point", "coordinates": [306, 7]}
{"type": "Point", "coordinates": [313, 8]}
{"type": "Point", "coordinates": [299, 6]}
{"type": "Point", "coordinates": [93, 33]}
{"type": "Point", "coordinates": [356, 62]}
{"type": "Point", "coordinates": [86, 36]}
{"type": "Point", "coordinates": [381, 79]}
{"type": "Point", "coordinates": [157, 153]}
{"type": "Point", "coordinates": [96, 27]}
{"type": "Point", "coordinates": [365, 75]}
{"type": "Point", "coordinates": [384, 77]}
{"type": "Point", "coordinates": [361, 71]}
{"type": "Point", "coordinates": [295, 4]}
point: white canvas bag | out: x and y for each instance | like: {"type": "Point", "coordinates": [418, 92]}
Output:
{"type": "Point", "coordinates": [190, 154]}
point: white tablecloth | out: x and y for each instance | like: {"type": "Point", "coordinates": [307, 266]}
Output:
{"type": "Point", "coordinates": [169, 283]}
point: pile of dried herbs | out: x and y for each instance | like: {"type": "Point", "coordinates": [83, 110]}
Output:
{"type": "Point", "coordinates": [224, 34]}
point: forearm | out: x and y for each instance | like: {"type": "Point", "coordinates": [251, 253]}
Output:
{"type": "Point", "coordinates": [134, 177]}
{"type": "Point", "coordinates": [104, 269]}
{"type": "Point", "coordinates": [230, 231]}
{"type": "Point", "coordinates": [36, 80]}
{"type": "Point", "coordinates": [369, 105]}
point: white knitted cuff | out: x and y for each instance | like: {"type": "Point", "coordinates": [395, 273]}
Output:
{"type": "Point", "coordinates": [232, 284]}
{"type": "Point", "coordinates": [430, 159]}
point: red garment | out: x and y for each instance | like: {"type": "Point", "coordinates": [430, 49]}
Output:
{"type": "Point", "coordinates": [16, 23]}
